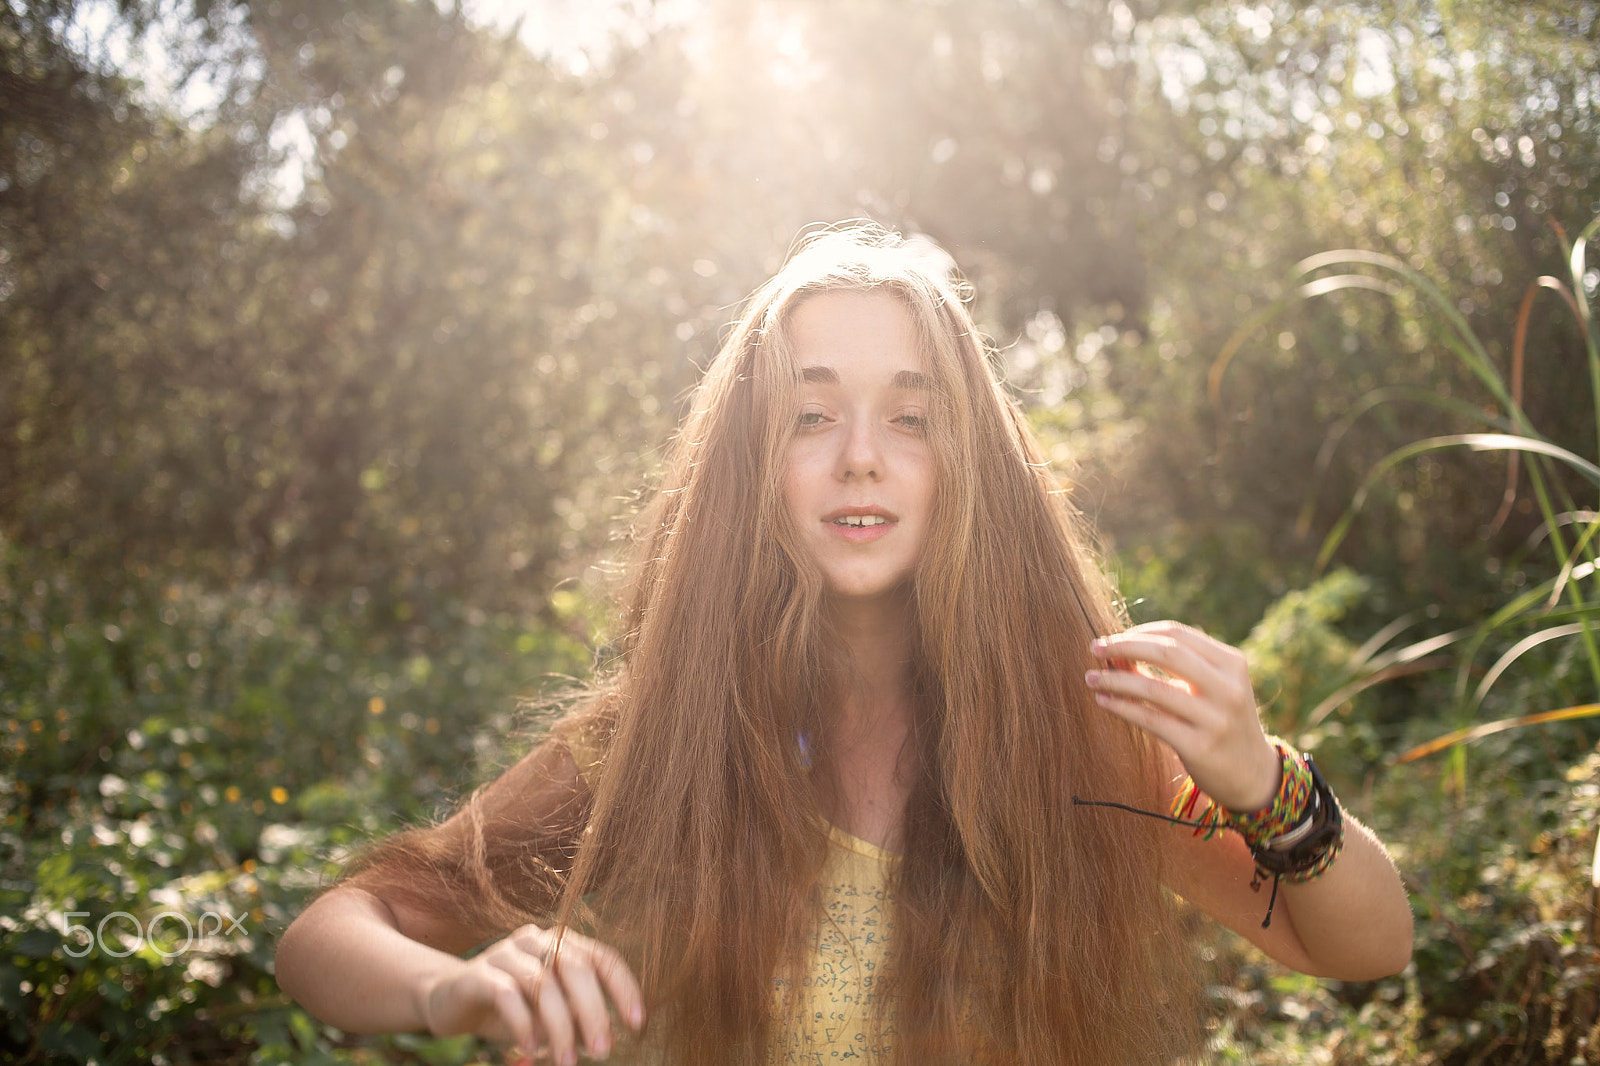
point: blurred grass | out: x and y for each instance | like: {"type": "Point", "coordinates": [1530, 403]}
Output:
{"type": "Point", "coordinates": [1531, 616]}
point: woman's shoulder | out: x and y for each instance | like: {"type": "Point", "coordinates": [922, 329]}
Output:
{"type": "Point", "coordinates": [587, 733]}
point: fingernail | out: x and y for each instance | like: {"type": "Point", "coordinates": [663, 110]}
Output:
{"type": "Point", "coordinates": [1102, 698]}
{"type": "Point", "coordinates": [1092, 677]}
{"type": "Point", "coordinates": [600, 1049]}
{"type": "Point", "coordinates": [636, 1015]}
{"type": "Point", "coordinates": [569, 1057]}
{"type": "Point", "coordinates": [1098, 643]}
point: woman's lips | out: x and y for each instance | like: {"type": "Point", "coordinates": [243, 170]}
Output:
{"type": "Point", "coordinates": [859, 525]}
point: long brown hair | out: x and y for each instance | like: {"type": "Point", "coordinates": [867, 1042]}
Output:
{"type": "Point", "coordinates": [1025, 929]}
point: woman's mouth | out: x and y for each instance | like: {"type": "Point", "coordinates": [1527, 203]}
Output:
{"type": "Point", "coordinates": [861, 526]}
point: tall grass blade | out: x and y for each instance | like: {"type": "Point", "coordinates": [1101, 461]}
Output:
{"type": "Point", "coordinates": [1477, 442]}
{"type": "Point", "coordinates": [1520, 648]}
{"type": "Point", "coordinates": [1519, 346]}
{"type": "Point", "coordinates": [1323, 286]}
{"type": "Point", "coordinates": [1461, 339]}
{"type": "Point", "coordinates": [1398, 662]}
{"type": "Point", "coordinates": [1489, 729]}
{"type": "Point", "coordinates": [1385, 635]}
{"type": "Point", "coordinates": [1576, 264]}
{"type": "Point", "coordinates": [1570, 572]}
{"type": "Point", "coordinates": [1416, 651]}
{"type": "Point", "coordinates": [1565, 518]}
{"type": "Point", "coordinates": [1337, 699]}
{"type": "Point", "coordinates": [1371, 401]}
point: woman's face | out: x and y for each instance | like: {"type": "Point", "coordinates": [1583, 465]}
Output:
{"type": "Point", "coordinates": [859, 478]}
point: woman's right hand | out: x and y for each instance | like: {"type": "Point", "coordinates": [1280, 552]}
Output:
{"type": "Point", "coordinates": [523, 991]}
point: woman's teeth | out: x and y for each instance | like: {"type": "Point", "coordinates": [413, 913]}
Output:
{"type": "Point", "coordinates": [860, 520]}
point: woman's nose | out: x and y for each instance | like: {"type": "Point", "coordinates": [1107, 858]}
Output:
{"type": "Point", "coordinates": [862, 454]}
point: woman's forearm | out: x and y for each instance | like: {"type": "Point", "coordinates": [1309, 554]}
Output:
{"type": "Point", "coordinates": [367, 965]}
{"type": "Point", "coordinates": [1355, 921]}
{"type": "Point", "coordinates": [346, 961]}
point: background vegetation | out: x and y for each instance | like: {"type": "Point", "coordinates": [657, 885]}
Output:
{"type": "Point", "coordinates": [335, 340]}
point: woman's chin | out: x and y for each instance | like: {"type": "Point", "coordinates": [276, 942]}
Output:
{"type": "Point", "coordinates": [866, 594]}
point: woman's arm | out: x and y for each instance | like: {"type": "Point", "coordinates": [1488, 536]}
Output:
{"type": "Point", "coordinates": [1354, 921]}
{"type": "Point", "coordinates": [346, 961]}
{"type": "Point", "coordinates": [367, 956]}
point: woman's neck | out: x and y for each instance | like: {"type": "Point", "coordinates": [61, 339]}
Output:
{"type": "Point", "coordinates": [872, 727]}
{"type": "Point", "coordinates": [877, 636]}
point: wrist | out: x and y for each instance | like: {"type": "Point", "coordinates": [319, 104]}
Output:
{"type": "Point", "coordinates": [1288, 803]}
{"type": "Point", "coordinates": [1267, 771]}
{"type": "Point", "coordinates": [423, 989]}
{"type": "Point", "coordinates": [1272, 812]}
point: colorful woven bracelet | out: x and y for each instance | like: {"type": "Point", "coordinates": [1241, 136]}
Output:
{"type": "Point", "coordinates": [1287, 809]}
{"type": "Point", "coordinates": [1208, 820]}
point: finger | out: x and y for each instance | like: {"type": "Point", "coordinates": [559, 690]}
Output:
{"type": "Point", "coordinates": [1175, 700]}
{"type": "Point", "coordinates": [1178, 660]}
{"type": "Point", "coordinates": [620, 983]}
{"type": "Point", "coordinates": [574, 963]}
{"type": "Point", "coordinates": [1211, 649]}
{"type": "Point", "coordinates": [1168, 627]}
{"type": "Point", "coordinates": [524, 973]}
{"type": "Point", "coordinates": [1151, 646]}
{"type": "Point", "coordinates": [511, 1009]}
{"type": "Point", "coordinates": [1152, 720]}
{"type": "Point", "coordinates": [555, 1014]}
{"type": "Point", "coordinates": [483, 1001]}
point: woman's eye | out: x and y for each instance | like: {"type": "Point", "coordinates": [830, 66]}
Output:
{"type": "Point", "coordinates": [810, 418]}
{"type": "Point", "coordinates": [913, 421]}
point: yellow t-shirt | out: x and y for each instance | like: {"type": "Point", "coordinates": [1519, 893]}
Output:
{"type": "Point", "coordinates": [834, 1022]}
{"type": "Point", "coordinates": [835, 1016]}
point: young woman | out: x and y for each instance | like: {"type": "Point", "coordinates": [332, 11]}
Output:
{"type": "Point", "coordinates": [824, 804]}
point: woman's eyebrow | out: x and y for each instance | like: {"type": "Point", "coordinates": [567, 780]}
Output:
{"type": "Point", "coordinates": [908, 380]}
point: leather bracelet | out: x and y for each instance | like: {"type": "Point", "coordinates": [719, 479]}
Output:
{"type": "Point", "coordinates": [1305, 852]}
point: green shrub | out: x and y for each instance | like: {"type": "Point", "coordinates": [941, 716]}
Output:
{"type": "Point", "coordinates": [201, 757]}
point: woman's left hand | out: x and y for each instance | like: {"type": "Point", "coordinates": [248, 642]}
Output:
{"type": "Point", "coordinates": [1204, 707]}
